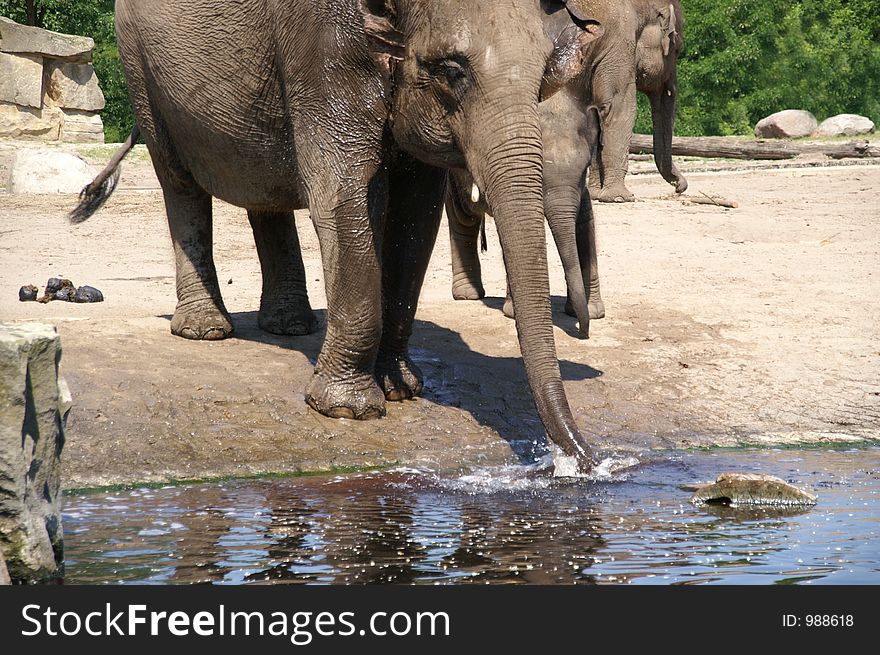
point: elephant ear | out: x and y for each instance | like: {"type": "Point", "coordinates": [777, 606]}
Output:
{"type": "Point", "coordinates": [386, 41]}
{"type": "Point", "coordinates": [671, 37]}
{"type": "Point", "coordinates": [570, 49]}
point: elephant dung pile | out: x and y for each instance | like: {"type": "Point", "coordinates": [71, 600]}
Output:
{"type": "Point", "coordinates": [60, 289]}
{"type": "Point", "coordinates": [751, 490]}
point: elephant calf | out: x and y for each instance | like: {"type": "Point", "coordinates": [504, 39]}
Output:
{"type": "Point", "coordinates": [571, 133]}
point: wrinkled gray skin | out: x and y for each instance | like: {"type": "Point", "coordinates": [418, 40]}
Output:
{"type": "Point", "coordinates": [571, 135]}
{"type": "Point", "coordinates": [354, 108]}
{"type": "Point", "coordinates": [639, 50]}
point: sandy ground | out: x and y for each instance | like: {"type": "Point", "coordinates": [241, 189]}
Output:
{"type": "Point", "coordinates": [756, 325]}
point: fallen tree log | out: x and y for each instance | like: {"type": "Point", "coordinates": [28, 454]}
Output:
{"type": "Point", "coordinates": [742, 148]}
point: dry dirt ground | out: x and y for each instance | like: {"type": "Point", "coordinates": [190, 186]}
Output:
{"type": "Point", "coordinates": [756, 325]}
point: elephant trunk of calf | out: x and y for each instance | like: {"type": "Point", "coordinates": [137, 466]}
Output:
{"type": "Point", "coordinates": [561, 206]}
{"type": "Point", "coordinates": [507, 162]}
{"type": "Point", "coordinates": [663, 102]}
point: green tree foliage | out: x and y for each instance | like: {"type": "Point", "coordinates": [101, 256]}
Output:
{"type": "Point", "coordinates": [745, 59]}
{"type": "Point", "coordinates": [92, 18]}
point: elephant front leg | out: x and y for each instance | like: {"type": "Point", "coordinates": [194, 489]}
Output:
{"type": "Point", "coordinates": [200, 313]}
{"type": "Point", "coordinates": [414, 211]}
{"type": "Point", "coordinates": [348, 223]}
{"type": "Point", "coordinates": [465, 218]}
{"type": "Point", "coordinates": [588, 256]}
{"type": "Point", "coordinates": [284, 304]}
{"type": "Point", "coordinates": [616, 100]}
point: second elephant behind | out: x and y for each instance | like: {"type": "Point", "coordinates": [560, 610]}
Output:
{"type": "Point", "coordinates": [571, 134]}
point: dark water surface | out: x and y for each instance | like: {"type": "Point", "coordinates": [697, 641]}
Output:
{"type": "Point", "coordinates": [501, 525]}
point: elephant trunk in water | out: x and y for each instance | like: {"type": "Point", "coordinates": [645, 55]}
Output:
{"type": "Point", "coordinates": [663, 101]}
{"type": "Point", "coordinates": [507, 162]}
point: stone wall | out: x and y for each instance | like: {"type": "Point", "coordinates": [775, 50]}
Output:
{"type": "Point", "coordinates": [34, 402]}
{"type": "Point", "coordinates": [48, 87]}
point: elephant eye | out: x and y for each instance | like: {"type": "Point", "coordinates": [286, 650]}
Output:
{"type": "Point", "coordinates": [450, 71]}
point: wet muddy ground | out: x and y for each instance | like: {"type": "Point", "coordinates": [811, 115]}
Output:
{"type": "Point", "coordinates": [756, 325]}
{"type": "Point", "coordinates": [499, 525]}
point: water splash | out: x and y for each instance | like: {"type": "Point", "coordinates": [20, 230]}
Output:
{"type": "Point", "coordinates": [605, 471]}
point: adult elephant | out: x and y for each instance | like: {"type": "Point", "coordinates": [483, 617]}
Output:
{"type": "Point", "coordinates": [638, 51]}
{"type": "Point", "coordinates": [354, 108]}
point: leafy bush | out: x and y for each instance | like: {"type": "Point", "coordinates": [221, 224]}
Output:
{"type": "Point", "coordinates": [92, 18]}
{"type": "Point", "coordinates": [745, 59]}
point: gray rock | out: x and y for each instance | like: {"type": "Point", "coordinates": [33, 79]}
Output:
{"type": "Point", "coordinates": [791, 123]}
{"type": "Point", "coordinates": [81, 127]}
{"type": "Point", "coordinates": [845, 125]}
{"type": "Point", "coordinates": [18, 122]}
{"type": "Point", "coordinates": [72, 86]}
{"type": "Point", "coordinates": [48, 171]}
{"type": "Point", "coordinates": [4, 574]}
{"type": "Point", "coordinates": [22, 38]}
{"type": "Point", "coordinates": [751, 490]}
{"type": "Point", "coordinates": [34, 402]}
{"type": "Point", "coordinates": [21, 81]}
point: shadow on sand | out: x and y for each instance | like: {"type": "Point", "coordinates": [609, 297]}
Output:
{"type": "Point", "coordinates": [494, 390]}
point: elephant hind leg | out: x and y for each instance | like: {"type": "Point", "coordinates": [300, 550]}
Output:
{"type": "Point", "coordinates": [284, 304]}
{"type": "Point", "coordinates": [200, 313]}
{"type": "Point", "coordinates": [414, 210]}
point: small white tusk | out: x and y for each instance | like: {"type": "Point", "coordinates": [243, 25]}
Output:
{"type": "Point", "coordinates": [475, 194]}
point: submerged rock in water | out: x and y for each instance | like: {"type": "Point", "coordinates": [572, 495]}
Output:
{"type": "Point", "coordinates": [27, 293]}
{"type": "Point", "coordinates": [88, 294]}
{"type": "Point", "coordinates": [751, 489]}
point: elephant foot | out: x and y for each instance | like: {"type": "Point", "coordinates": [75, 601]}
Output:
{"type": "Point", "coordinates": [467, 290]}
{"type": "Point", "coordinates": [399, 377]}
{"type": "Point", "coordinates": [356, 398]}
{"type": "Point", "coordinates": [617, 193]}
{"type": "Point", "coordinates": [508, 308]}
{"type": "Point", "coordinates": [596, 309]}
{"type": "Point", "coordinates": [291, 318]}
{"type": "Point", "coordinates": [201, 321]}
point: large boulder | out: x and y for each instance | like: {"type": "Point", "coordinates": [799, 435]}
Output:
{"type": "Point", "coordinates": [791, 123]}
{"type": "Point", "coordinates": [25, 39]}
{"type": "Point", "coordinates": [48, 171]}
{"type": "Point", "coordinates": [73, 86]}
{"type": "Point", "coordinates": [34, 402]}
{"type": "Point", "coordinates": [845, 125]}
{"type": "Point", "coordinates": [21, 80]}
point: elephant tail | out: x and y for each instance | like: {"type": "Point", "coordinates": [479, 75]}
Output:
{"type": "Point", "coordinates": [96, 193]}
{"type": "Point", "coordinates": [484, 245]}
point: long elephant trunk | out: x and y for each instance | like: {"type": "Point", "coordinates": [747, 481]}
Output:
{"type": "Point", "coordinates": [561, 206]}
{"type": "Point", "coordinates": [507, 162]}
{"type": "Point", "coordinates": [663, 102]}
